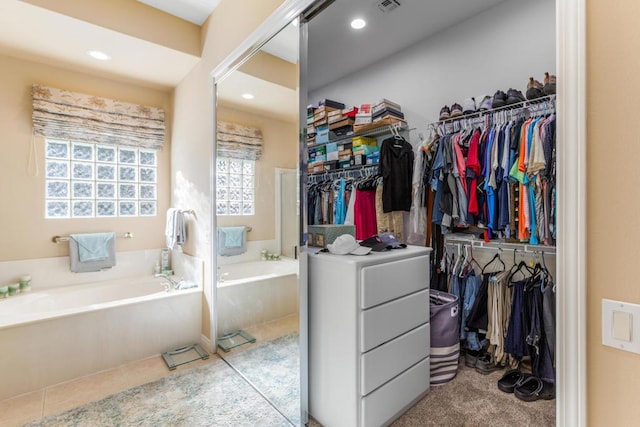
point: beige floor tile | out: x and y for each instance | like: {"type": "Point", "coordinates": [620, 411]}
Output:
{"type": "Point", "coordinates": [68, 395]}
{"type": "Point", "coordinates": [145, 371]}
{"type": "Point", "coordinates": [21, 409]}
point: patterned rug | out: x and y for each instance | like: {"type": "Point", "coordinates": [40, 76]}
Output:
{"type": "Point", "coordinates": [211, 395]}
{"type": "Point", "coordinates": [274, 368]}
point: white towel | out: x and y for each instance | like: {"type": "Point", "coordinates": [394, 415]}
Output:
{"type": "Point", "coordinates": [175, 231]}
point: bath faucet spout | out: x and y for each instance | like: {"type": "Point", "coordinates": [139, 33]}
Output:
{"type": "Point", "coordinates": [175, 284]}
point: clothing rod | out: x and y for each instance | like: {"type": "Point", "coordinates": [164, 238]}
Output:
{"type": "Point", "coordinates": [477, 114]}
{"type": "Point", "coordinates": [505, 246]}
{"type": "Point", "coordinates": [350, 168]}
{"type": "Point", "coordinates": [58, 239]}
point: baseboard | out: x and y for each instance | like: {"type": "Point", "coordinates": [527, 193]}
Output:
{"type": "Point", "coordinates": [207, 344]}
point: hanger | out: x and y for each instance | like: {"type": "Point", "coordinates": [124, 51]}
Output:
{"type": "Point", "coordinates": [470, 261]}
{"type": "Point", "coordinates": [495, 257]}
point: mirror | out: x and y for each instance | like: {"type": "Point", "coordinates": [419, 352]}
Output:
{"type": "Point", "coordinates": [258, 224]}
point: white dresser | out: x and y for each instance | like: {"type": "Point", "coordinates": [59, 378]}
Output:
{"type": "Point", "coordinates": [368, 335]}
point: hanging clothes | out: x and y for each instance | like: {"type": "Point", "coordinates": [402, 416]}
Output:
{"type": "Point", "coordinates": [396, 169]}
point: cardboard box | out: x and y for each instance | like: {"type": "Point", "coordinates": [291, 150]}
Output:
{"type": "Point", "coordinates": [333, 156]}
{"type": "Point", "coordinates": [322, 134]}
{"type": "Point", "coordinates": [342, 121]}
{"type": "Point", "coordinates": [359, 159]}
{"type": "Point", "coordinates": [373, 159]}
{"type": "Point", "coordinates": [345, 158]}
{"type": "Point", "coordinates": [363, 140]}
{"type": "Point", "coordinates": [330, 165]}
{"type": "Point", "coordinates": [323, 235]}
{"type": "Point", "coordinates": [329, 103]}
{"type": "Point", "coordinates": [344, 164]}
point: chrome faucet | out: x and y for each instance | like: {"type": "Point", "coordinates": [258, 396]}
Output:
{"type": "Point", "coordinates": [175, 284]}
{"type": "Point", "coordinates": [221, 275]}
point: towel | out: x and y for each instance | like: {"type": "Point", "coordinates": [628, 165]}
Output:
{"type": "Point", "coordinates": [92, 246]}
{"type": "Point", "coordinates": [79, 243]}
{"type": "Point", "coordinates": [232, 241]}
{"type": "Point", "coordinates": [175, 230]}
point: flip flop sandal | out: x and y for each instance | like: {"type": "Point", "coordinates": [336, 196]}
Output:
{"type": "Point", "coordinates": [510, 380]}
{"type": "Point", "coordinates": [533, 388]}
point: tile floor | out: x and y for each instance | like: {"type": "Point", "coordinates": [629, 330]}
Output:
{"type": "Point", "coordinates": [29, 407]}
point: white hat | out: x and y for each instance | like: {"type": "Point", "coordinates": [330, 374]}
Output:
{"type": "Point", "coordinates": [346, 244]}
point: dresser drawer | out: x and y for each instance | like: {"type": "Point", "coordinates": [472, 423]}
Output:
{"type": "Point", "coordinates": [385, 362]}
{"type": "Point", "coordinates": [382, 283]}
{"type": "Point", "coordinates": [392, 398]}
{"type": "Point", "coordinates": [385, 322]}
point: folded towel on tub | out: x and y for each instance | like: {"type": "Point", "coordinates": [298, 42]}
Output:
{"type": "Point", "coordinates": [232, 241]}
{"type": "Point", "coordinates": [92, 252]}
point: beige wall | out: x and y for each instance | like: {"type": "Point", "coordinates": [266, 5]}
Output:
{"type": "Point", "coordinates": [280, 150]}
{"type": "Point", "coordinates": [25, 231]}
{"type": "Point", "coordinates": [227, 27]}
{"type": "Point", "coordinates": [613, 85]}
{"type": "Point", "coordinates": [133, 18]}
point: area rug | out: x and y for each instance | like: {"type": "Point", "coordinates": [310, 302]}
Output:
{"type": "Point", "coordinates": [274, 368]}
{"type": "Point", "coordinates": [211, 395]}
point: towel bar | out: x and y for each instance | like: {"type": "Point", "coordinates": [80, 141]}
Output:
{"type": "Point", "coordinates": [58, 239]}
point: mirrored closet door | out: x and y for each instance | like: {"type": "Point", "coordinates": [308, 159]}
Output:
{"type": "Point", "coordinates": [257, 221]}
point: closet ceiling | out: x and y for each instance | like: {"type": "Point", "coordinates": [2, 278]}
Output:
{"type": "Point", "coordinates": [337, 50]}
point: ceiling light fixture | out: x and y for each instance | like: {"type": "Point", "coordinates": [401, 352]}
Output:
{"type": "Point", "coordinates": [96, 54]}
{"type": "Point", "coordinates": [358, 23]}
{"type": "Point", "coordinates": [247, 96]}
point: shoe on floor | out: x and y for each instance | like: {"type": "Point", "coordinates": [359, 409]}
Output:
{"type": "Point", "coordinates": [510, 380]}
{"type": "Point", "coordinates": [456, 110]}
{"type": "Point", "coordinates": [499, 99]}
{"type": "Point", "coordinates": [471, 358]}
{"type": "Point", "coordinates": [534, 89]}
{"type": "Point", "coordinates": [514, 96]}
{"type": "Point", "coordinates": [445, 113]}
{"type": "Point", "coordinates": [485, 365]}
{"type": "Point", "coordinates": [534, 388]}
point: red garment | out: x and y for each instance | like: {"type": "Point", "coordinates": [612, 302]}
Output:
{"type": "Point", "coordinates": [473, 163]}
{"type": "Point", "coordinates": [365, 214]}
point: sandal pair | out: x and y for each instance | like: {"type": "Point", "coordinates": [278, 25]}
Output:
{"type": "Point", "coordinates": [526, 387]}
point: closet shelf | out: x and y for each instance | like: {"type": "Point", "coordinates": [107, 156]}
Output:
{"type": "Point", "coordinates": [518, 105]}
{"type": "Point", "coordinates": [350, 168]}
{"type": "Point", "coordinates": [500, 244]}
{"type": "Point", "coordinates": [384, 129]}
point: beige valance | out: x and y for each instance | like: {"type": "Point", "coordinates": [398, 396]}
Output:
{"type": "Point", "coordinates": [238, 142]}
{"type": "Point", "coordinates": [62, 114]}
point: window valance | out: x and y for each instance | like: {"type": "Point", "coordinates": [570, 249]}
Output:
{"type": "Point", "coordinates": [62, 114]}
{"type": "Point", "coordinates": [239, 142]}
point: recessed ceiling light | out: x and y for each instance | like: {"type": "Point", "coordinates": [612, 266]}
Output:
{"type": "Point", "coordinates": [358, 24]}
{"type": "Point", "coordinates": [96, 54]}
{"type": "Point", "coordinates": [247, 96]}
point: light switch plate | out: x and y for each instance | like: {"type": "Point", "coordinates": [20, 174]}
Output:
{"type": "Point", "coordinates": [621, 325]}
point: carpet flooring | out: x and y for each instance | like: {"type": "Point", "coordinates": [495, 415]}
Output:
{"type": "Point", "coordinates": [473, 400]}
{"type": "Point", "coordinates": [211, 395]}
{"type": "Point", "coordinates": [273, 368]}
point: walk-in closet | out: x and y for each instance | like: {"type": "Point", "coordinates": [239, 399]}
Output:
{"type": "Point", "coordinates": [431, 140]}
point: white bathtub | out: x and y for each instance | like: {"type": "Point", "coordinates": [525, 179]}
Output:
{"type": "Point", "coordinates": [56, 335]}
{"type": "Point", "coordinates": [251, 293]}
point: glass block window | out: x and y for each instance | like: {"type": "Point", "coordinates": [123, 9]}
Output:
{"type": "Point", "coordinates": [235, 186]}
{"type": "Point", "coordinates": [95, 181]}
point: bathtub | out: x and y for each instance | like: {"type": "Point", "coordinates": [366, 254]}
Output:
{"type": "Point", "coordinates": [251, 293]}
{"type": "Point", "coordinates": [55, 335]}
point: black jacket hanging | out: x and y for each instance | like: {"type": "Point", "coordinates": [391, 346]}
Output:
{"type": "Point", "coordinates": [396, 168]}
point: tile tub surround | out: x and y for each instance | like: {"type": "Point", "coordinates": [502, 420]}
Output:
{"type": "Point", "coordinates": [55, 344]}
{"type": "Point", "coordinates": [256, 292]}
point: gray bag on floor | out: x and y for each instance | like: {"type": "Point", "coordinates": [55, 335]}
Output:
{"type": "Point", "coordinates": [445, 340]}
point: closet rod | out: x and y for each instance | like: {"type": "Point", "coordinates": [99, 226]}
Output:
{"type": "Point", "coordinates": [477, 114]}
{"type": "Point", "coordinates": [521, 247]}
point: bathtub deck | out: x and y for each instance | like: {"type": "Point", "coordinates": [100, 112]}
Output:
{"type": "Point", "coordinates": [29, 407]}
